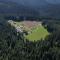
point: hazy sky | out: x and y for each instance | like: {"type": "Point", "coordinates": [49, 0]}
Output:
{"type": "Point", "coordinates": [53, 1]}
{"type": "Point", "coordinates": [34, 2]}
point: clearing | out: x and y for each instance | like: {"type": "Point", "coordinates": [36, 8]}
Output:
{"type": "Point", "coordinates": [34, 28]}
{"type": "Point", "coordinates": [38, 33]}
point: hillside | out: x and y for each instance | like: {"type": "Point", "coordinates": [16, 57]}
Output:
{"type": "Point", "coordinates": [16, 9]}
{"type": "Point", "coordinates": [44, 9]}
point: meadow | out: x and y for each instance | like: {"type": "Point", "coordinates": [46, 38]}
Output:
{"type": "Point", "coordinates": [38, 33]}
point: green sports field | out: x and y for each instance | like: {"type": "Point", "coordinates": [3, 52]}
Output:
{"type": "Point", "coordinates": [38, 33]}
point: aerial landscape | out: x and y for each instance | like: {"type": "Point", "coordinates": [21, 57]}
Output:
{"type": "Point", "coordinates": [29, 29]}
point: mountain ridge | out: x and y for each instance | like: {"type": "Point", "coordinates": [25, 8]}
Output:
{"type": "Point", "coordinates": [11, 7]}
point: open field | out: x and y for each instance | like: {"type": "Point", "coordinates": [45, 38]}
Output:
{"type": "Point", "coordinates": [38, 33]}
{"type": "Point", "coordinates": [35, 29]}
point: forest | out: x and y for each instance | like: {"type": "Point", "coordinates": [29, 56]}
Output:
{"type": "Point", "coordinates": [13, 46]}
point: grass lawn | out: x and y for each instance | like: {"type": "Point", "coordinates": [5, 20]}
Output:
{"type": "Point", "coordinates": [38, 33]}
